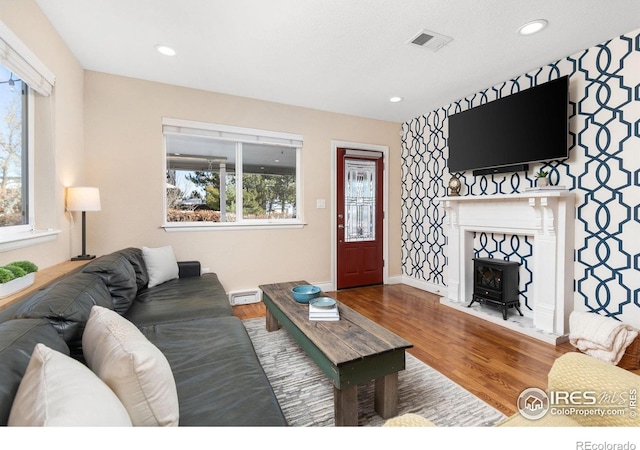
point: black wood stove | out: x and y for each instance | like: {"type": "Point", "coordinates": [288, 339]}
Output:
{"type": "Point", "coordinates": [495, 283]}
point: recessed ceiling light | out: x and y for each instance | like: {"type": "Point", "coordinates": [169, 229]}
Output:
{"type": "Point", "coordinates": [532, 27]}
{"type": "Point", "coordinates": [166, 51]}
{"type": "Point", "coordinates": [395, 99]}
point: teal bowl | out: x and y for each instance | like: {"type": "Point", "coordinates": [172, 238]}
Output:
{"type": "Point", "coordinates": [304, 293]}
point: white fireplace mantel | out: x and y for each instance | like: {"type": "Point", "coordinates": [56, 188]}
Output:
{"type": "Point", "coordinates": [545, 215]}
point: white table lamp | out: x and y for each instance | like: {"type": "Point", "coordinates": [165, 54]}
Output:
{"type": "Point", "coordinates": [83, 199]}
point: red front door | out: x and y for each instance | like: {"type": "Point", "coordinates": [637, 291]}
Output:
{"type": "Point", "coordinates": [359, 207]}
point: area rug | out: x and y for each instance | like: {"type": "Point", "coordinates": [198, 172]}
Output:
{"type": "Point", "coordinates": [305, 394]}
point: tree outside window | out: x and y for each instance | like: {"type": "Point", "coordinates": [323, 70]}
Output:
{"type": "Point", "coordinates": [13, 154]}
{"type": "Point", "coordinates": [210, 179]}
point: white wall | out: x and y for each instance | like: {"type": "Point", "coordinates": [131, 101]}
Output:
{"type": "Point", "coordinates": [59, 159]}
{"type": "Point", "coordinates": [124, 158]}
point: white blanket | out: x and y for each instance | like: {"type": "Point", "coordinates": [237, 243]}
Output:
{"type": "Point", "coordinates": [601, 337]}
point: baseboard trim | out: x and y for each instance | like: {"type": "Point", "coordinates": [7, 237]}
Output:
{"type": "Point", "coordinates": [425, 285]}
{"type": "Point", "coordinates": [325, 286]}
{"type": "Point", "coordinates": [328, 286]}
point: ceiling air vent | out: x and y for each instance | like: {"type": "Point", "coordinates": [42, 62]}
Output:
{"type": "Point", "coordinates": [429, 40]}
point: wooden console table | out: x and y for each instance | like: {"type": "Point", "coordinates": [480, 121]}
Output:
{"type": "Point", "coordinates": [43, 278]}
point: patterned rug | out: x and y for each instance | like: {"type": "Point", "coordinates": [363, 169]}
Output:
{"type": "Point", "coordinates": [305, 394]}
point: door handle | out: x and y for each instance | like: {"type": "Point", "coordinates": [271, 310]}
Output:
{"type": "Point", "coordinates": [340, 226]}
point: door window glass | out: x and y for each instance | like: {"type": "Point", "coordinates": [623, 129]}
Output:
{"type": "Point", "coordinates": [360, 200]}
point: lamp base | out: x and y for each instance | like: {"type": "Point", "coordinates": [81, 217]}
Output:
{"type": "Point", "coordinates": [83, 257]}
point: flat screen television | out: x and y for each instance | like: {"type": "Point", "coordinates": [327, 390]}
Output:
{"type": "Point", "coordinates": [506, 134]}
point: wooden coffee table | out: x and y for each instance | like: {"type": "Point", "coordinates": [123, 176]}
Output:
{"type": "Point", "coordinates": [351, 351]}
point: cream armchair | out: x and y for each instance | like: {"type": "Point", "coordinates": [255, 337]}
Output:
{"type": "Point", "coordinates": [604, 387]}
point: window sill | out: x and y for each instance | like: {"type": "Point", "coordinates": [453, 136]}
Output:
{"type": "Point", "coordinates": [208, 226]}
{"type": "Point", "coordinates": [25, 239]}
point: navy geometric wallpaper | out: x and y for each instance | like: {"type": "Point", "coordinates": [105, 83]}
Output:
{"type": "Point", "coordinates": [603, 170]}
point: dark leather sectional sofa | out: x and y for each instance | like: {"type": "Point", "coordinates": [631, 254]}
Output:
{"type": "Point", "coordinates": [219, 379]}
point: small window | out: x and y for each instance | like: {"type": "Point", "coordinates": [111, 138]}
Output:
{"type": "Point", "coordinates": [224, 176]}
{"type": "Point", "coordinates": [14, 161]}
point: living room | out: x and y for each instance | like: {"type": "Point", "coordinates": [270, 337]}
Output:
{"type": "Point", "coordinates": [105, 130]}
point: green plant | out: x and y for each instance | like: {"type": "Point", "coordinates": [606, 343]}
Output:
{"type": "Point", "coordinates": [5, 275]}
{"type": "Point", "coordinates": [27, 266]}
{"type": "Point", "coordinates": [17, 271]}
{"type": "Point", "coordinates": [542, 174]}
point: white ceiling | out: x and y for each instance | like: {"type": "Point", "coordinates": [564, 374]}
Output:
{"type": "Point", "coordinates": [346, 56]}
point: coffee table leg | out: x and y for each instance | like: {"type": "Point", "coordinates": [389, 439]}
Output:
{"type": "Point", "coordinates": [345, 406]}
{"type": "Point", "coordinates": [272, 322]}
{"type": "Point", "coordinates": [386, 396]}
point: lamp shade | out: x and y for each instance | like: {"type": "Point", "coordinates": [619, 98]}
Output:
{"type": "Point", "coordinates": [83, 199]}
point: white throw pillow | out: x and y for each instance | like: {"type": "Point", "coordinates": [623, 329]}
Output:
{"type": "Point", "coordinates": [132, 367]}
{"type": "Point", "coordinates": [161, 264]}
{"type": "Point", "coordinates": [57, 390]}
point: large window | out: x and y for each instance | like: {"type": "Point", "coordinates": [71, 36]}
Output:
{"type": "Point", "coordinates": [14, 182]}
{"type": "Point", "coordinates": [224, 176]}
{"type": "Point", "coordinates": [23, 77]}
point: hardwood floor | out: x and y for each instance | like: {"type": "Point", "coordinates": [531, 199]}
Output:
{"type": "Point", "coordinates": [492, 362]}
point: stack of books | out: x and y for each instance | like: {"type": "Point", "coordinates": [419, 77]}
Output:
{"type": "Point", "coordinates": [328, 313]}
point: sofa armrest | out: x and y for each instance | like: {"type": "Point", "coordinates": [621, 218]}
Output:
{"type": "Point", "coordinates": [188, 269]}
{"type": "Point", "coordinates": [577, 372]}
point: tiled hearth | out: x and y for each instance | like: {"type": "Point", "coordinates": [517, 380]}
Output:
{"type": "Point", "coordinates": [514, 321]}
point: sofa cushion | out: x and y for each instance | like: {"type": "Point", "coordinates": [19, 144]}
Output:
{"type": "Point", "coordinates": [119, 277]}
{"type": "Point", "coordinates": [132, 367]}
{"type": "Point", "coordinates": [67, 305]}
{"type": "Point", "coordinates": [161, 264]}
{"type": "Point", "coordinates": [219, 378]}
{"type": "Point", "coordinates": [134, 256]}
{"type": "Point", "coordinates": [17, 341]}
{"type": "Point", "coordinates": [182, 299]}
{"type": "Point", "coordinates": [59, 391]}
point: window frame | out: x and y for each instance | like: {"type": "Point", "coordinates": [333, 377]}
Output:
{"type": "Point", "coordinates": [38, 79]}
{"type": "Point", "coordinates": [239, 135]}
{"type": "Point", "coordinates": [10, 230]}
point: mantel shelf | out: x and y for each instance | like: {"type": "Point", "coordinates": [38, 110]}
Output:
{"type": "Point", "coordinates": [497, 197]}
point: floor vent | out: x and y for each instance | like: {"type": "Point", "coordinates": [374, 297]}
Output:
{"type": "Point", "coordinates": [429, 40]}
{"type": "Point", "coordinates": [245, 297]}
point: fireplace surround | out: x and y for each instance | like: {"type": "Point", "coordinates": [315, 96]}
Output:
{"type": "Point", "coordinates": [544, 215]}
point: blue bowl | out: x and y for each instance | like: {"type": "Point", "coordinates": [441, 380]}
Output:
{"type": "Point", "coordinates": [304, 293]}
